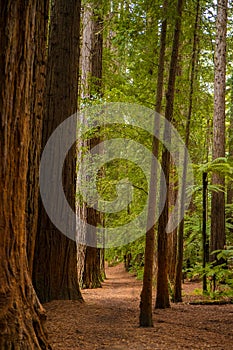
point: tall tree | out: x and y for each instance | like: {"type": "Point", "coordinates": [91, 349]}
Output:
{"type": "Point", "coordinates": [179, 261]}
{"type": "Point", "coordinates": [172, 236]}
{"type": "Point", "coordinates": [230, 155]}
{"type": "Point", "coordinates": [162, 294]}
{"type": "Point", "coordinates": [21, 314]}
{"type": "Point", "coordinates": [55, 260]}
{"type": "Point", "coordinates": [218, 239]}
{"type": "Point", "coordinates": [91, 51]}
{"type": "Point", "coordinates": [146, 319]}
{"type": "Point", "coordinates": [205, 248]}
{"type": "Point", "coordinates": [37, 105]}
{"type": "Point", "coordinates": [91, 59]}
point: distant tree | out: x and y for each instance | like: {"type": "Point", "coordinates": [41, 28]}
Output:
{"type": "Point", "coordinates": [218, 234]}
{"type": "Point", "coordinates": [21, 315]}
{"type": "Point", "coordinates": [230, 157]}
{"type": "Point", "coordinates": [55, 260]}
{"type": "Point", "coordinates": [91, 82]}
{"type": "Point", "coordinates": [91, 51]}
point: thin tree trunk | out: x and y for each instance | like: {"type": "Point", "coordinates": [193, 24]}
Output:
{"type": "Point", "coordinates": [162, 295]}
{"type": "Point", "coordinates": [21, 315]}
{"type": "Point", "coordinates": [145, 318]}
{"type": "Point", "coordinates": [218, 235]}
{"type": "Point", "coordinates": [179, 261]}
{"type": "Point", "coordinates": [97, 55]}
{"type": "Point", "coordinates": [55, 273]}
{"type": "Point", "coordinates": [172, 237]}
{"type": "Point", "coordinates": [230, 152]}
{"type": "Point", "coordinates": [205, 248]}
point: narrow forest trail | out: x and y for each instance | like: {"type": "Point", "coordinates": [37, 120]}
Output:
{"type": "Point", "coordinates": [108, 320]}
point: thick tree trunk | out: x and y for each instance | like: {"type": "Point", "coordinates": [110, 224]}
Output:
{"type": "Point", "coordinates": [162, 296]}
{"type": "Point", "coordinates": [86, 50]}
{"type": "Point", "coordinates": [85, 65]}
{"type": "Point", "coordinates": [218, 235]}
{"type": "Point", "coordinates": [55, 261]}
{"type": "Point", "coordinates": [91, 274]}
{"type": "Point", "coordinates": [91, 277]}
{"type": "Point", "coordinates": [91, 78]}
{"type": "Point", "coordinates": [21, 315]}
{"type": "Point", "coordinates": [37, 105]}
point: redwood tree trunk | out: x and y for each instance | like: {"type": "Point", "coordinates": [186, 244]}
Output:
{"type": "Point", "coordinates": [218, 235]}
{"type": "Point", "coordinates": [55, 262]}
{"type": "Point", "coordinates": [205, 248]}
{"type": "Point", "coordinates": [91, 58]}
{"type": "Point", "coordinates": [162, 296]}
{"type": "Point", "coordinates": [37, 105]}
{"type": "Point", "coordinates": [172, 236]}
{"type": "Point", "coordinates": [145, 318]}
{"type": "Point", "coordinates": [180, 241]}
{"type": "Point", "coordinates": [230, 152]}
{"type": "Point", "coordinates": [21, 315]}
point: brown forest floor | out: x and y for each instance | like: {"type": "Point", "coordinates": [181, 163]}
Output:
{"type": "Point", "coordinates": [109, 320]}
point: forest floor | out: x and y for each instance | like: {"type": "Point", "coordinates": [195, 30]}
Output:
{"type": "Point", "coordinates": [109, 319]}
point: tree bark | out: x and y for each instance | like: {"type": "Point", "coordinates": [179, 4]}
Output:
{"type": "Point", "coordinates": [218, 235]}
{"type": "Point", "coordinates": [172, 236]}
{"type": "Point", "coordinates": [21, 314]}
{"type": "Point", "coordinates": [205, 249]}
{"type": "Point", "coordinates": [91, 58]}
{"type": "Point", "coordinates": [180, 241]}
{"type": "Point", "coordinates": [230, 157]}
{"type": "Point", "coordinates": [162, 294]}
{"type": "Point", "coordinates": [145, 318]}
{"type": "Point", "coordinates": [55, 273]}
{"type": "Point", "coordinates": [86, 50]}
{"type": "Point", "coordinates": [36, 122]}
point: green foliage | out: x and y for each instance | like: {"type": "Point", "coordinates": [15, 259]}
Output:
{"type": "Point", "coordinates": [130, 66]}
{"type": "Point", "coordinates": [220, 165]}
{"type": "Point", "coordinates": [220, 274]}
{"type": "Point", "coordinates": [136, 249]}
{"type": "Point", "coordinates": [198, 291]}
{"type": "Point", "coordinates": [224, 254]}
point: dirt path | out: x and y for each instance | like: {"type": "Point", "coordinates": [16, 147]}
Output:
{"type": "Point", "coordinates": [108, 320]}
